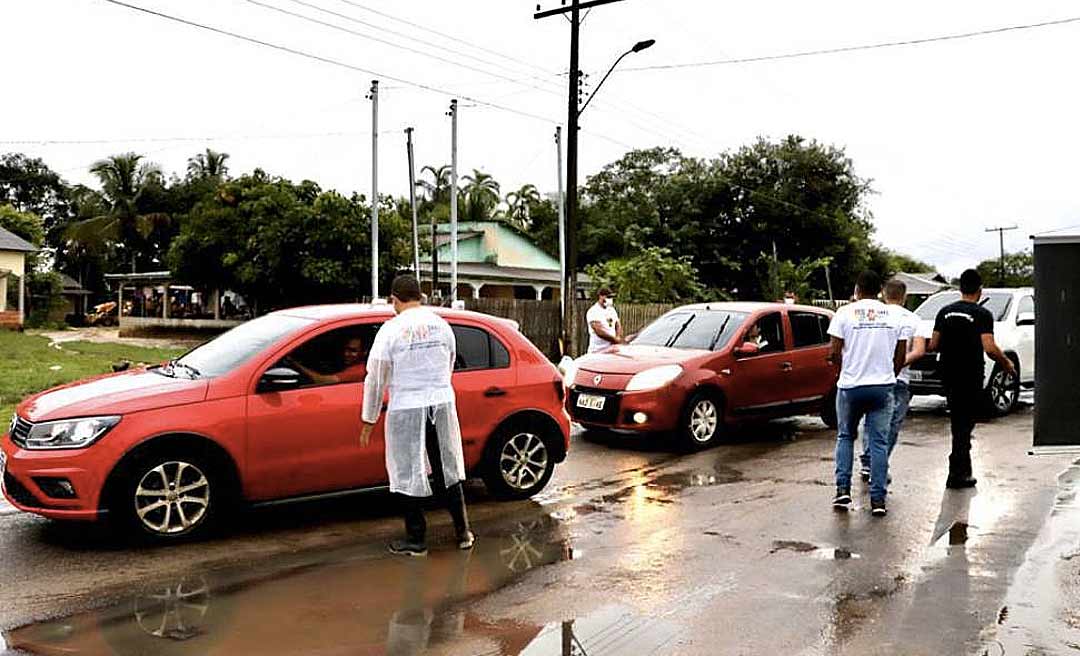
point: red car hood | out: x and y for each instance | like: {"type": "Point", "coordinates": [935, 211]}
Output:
{"type": "Point", "coordinates": [112, 394]}
{"type": "Point", "coordinates": [632, 359]}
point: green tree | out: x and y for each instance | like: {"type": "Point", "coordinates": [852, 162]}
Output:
{"type": "Point", "coordinates": [518, 204]}
{"type": "Point", "coordinates": [650, 275]}
{"type": "Point", "coordinates": [481, 196]}
{"type": "Point", "coordinates": [787, 276]}
{"type": "Point", "coordinates": [29, 185]}
{"type": "Point", "coordinates": [1019, 270]}
{"type": "Point", "coordinates": [209, 165]}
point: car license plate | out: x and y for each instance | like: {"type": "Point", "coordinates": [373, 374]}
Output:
{"type": "Point", "coordinates": [590, 401]}
{"type": "Point", "coordinates": [915, 375]}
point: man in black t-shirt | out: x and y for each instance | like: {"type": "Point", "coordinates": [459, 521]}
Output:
{"type": "Point", "coordinates": [963, 331]}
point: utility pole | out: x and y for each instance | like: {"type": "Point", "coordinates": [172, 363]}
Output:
{"type": "Point", "coordinates": [374, 95]}
{"type": "Point", "coordinates": [1001, 238]}
{"type": "Point", "coordinates": [828, 284]}
{"type": "Point", "coordinates": [569, 281]}
{"type": "Point", "coordinates": [412, 204]}
{"type": "Point", "coordinates": [562, 227]}
{"type": "Point", "coordinates": [453, 201]}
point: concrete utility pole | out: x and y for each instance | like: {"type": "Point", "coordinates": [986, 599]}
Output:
{"type": "Point", "coordinates": [569, 281]}
{"type": "Point", "coordinates": [1001, 237]}
{"type": "Point", "coordinates": [562, 227]}
{"type": "Point", "coordinates": [374, 189]}
{"type": "Point", "coordinates": [412, 204]}
{"type": "Point", "coordinates": [453, 201]}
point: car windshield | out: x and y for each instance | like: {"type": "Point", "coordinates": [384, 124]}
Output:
{"type": "Point", "coordinates": [996, 302]}
{"type": "Point", "coordinates": [231, 349]}
{"type": "Point", "coordinates": [691, 329]}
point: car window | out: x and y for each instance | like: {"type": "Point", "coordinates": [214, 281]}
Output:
{"type": "Point", "coordinates": [808, 329]}
{"type": "Point", "coordinates": [478, 349]}
{"type": "Point", "coordinates": [334, 357]}
{"type": "Point", "coordinates": [1027, 304]}
{"type": "Point", "coordinates": [692, 329]}
{"type": "Point", "coordinates": [769, 334]}
{"type": "Point", "coordinates": [231, 349]}
{"type": "Point", "coordinates": [998, 303]}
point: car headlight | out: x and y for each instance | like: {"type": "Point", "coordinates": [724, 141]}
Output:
{"type": "Point", "coordinates": [69, 433]}
{"type": "Point", "coordinates": [653, 378]}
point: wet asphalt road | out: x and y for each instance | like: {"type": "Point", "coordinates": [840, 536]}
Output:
{"type": "Point", "coordinates": [633, 549]}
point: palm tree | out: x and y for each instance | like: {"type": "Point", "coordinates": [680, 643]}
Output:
{"type": "Point", "coordinates": [124, 182]}
{"type": "Point", "coordinates": [210, 164]}
{"type": "Point", "coordinates": [438, 189]}
{"type": "Point", "coordinates": [481, 196]}
{"type": "Point", "coordinates": [517, 203]}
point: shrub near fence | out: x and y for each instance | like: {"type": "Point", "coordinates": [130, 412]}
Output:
{"type": "Point", "coordinates": [539, 320]}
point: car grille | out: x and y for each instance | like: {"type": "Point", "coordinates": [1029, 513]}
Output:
{"type": "Point", "coordinates": [606, 416]}
{"type": "Point", "coordinates": [20, 431]}
{"type": "Point", "coordinates": [18, 492]}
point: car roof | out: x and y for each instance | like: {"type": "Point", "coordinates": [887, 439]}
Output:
{"type": "Point", "coordinates": [360, 310]}
{"type": "Point", "coordinates": [750, 307]}
{"type": "Point", "coordinates": [994, 290]}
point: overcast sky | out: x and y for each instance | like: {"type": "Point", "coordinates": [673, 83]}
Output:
{"type": "Point", "coordinates": [957, 136]}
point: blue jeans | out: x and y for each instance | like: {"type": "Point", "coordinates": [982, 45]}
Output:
{"type": "Point", "coordinates": [875, 402]}
{"type": "Point", "coordinates": [901, 403]}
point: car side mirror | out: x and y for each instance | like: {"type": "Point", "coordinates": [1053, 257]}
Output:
{"type": "Point", "coordinates": [279, 378]}
{"type": "Point", "coordinates": [1025, 319]}
{"type": "Point", "coordinates": [747, 349]}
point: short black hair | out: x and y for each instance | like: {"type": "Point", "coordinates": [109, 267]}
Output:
{"type": "Point", "coordinates": [970, 282]}
{"type": "Point", "coordinates": [869, 284]}
{"type": "Point", "coordinates": [406, 288]}
{"type": "Point", "coordinates": [603, 291]}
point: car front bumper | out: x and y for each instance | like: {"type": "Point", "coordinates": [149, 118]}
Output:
{"type": "Point", "coordinates": [642, 412]}
{"type": "Point", "coordinates": [24, 474]}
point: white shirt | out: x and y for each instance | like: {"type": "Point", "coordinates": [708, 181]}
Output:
{"type": "Point", "coordinates": [412, 356]}
{"type": "Point", "coordinates": [911, 328]}
{"type": "Point", "coordinates": [870, 330]}
{"type": "Point", "coordinates": [608, 317]}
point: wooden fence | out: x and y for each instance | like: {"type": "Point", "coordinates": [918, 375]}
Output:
{"type": "Point", "coordinates": [539, 320]}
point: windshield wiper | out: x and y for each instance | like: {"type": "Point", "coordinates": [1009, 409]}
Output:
{"type": "Point", "coordinates": [174, 363]}
{"type": "Point", "coordinates": [719, 332]}
{"type": "Point", "coordinates": [682, 329]}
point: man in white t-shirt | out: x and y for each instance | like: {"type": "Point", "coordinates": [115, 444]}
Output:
{"type": "Point", "coordinates": [603, 320]}
{"type": "Point", "coordinates": [917, 333]}
{"type": "Point", "coordinates": [868, 345]}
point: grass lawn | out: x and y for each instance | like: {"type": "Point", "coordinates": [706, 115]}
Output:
{"type": "Point", "coordinates": [28, 364]}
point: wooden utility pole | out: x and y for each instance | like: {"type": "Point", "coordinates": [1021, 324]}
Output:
{"type": "Point", "coordinates": [412, 204]}
{"type": "Point", "coordinates": [1001, 238]}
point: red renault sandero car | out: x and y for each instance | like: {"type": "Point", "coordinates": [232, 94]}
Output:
{"type": "Point", "coordinates": [700, 367]}
{"type": "Point", "coordinates": [269, 411]}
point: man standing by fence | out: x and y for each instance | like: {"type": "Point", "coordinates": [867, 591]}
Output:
{"type": "Point", "coordinates": [604, 327]}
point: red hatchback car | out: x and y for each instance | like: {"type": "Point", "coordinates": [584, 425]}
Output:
{"type": "Point", "coordinates": [699, 367]}
{"type": "Point", "coordinates": [269, 411]}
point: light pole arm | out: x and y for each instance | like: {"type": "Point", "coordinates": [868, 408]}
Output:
{"type": "Point", "coordinates": [593, 94]}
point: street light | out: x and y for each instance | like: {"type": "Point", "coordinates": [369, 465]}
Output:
{"type": "Point", "coordinates": [638, 47]}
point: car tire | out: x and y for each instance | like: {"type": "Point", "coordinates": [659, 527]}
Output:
{"type": "Point", "coordinates": [828, 410]}
{"type": "Point", "coordinates": [1002, 392]}
{"type": "Point", "coordinates": [167, 496]}
{"type": "Point", "coordinates": [519, 460]}
{"type": "Point", "coordinates": [702, 422]}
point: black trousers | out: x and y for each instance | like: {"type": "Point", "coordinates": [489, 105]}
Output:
{"type": "Point", "coordinates": [964, 408]}
{"type": "Point", "coordinates": [453, 496]}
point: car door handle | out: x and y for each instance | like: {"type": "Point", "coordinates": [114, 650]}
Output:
{"type": "Point", "coordinates": [786, 366]}
{"type": "Point", "coordinates": [494, 391]}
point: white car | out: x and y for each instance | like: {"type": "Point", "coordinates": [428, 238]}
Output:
{"type": "Point", "coordinates": [1014, 332]}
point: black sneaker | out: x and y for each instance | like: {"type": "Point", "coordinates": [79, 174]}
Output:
{"type": "Point", "coordinates": [406, 548]}
{"type": "Point", "coordinates": [877, 508]}
{"type": "Point", "coordinates": [960, 483]}
{"type": "Point", "coordinates": [865, 473]}
{"type": "Point", "coordinates": [466, 540]}
{"type": "Point", "coordinates": [842, 501]}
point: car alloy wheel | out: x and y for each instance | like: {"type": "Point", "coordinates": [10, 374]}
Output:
{"type": "Point", "coordinates": [703, 420]}
{"type": "Point", "coordinates": [1003, 391]}
{"type": "Point", "coordinates": [172, 498]}
{"type": "Point", "coordinates": [523, 461]}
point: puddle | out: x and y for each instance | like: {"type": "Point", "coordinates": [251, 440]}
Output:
{"type": "Point", "coordinates": [612, 631]}
{"type": "Point", "coordinates": [357, 600]}
{"type": "Point", "coordinates": [824, 552]}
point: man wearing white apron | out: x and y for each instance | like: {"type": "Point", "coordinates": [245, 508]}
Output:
{"type": "Point", "coordinates": [412, 357]}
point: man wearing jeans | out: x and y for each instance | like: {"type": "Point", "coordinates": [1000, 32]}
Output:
{"type": "Point", "coordinates": [868, 345]}
{"type": "Point", "coordinates": [916, 333]}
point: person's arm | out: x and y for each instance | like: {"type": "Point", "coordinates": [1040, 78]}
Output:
{"type": "Point", "coordinates": [602, 332]}
{"type": "Point", "coordinates": [836, 355]}
{"type": "Point", "coordinates": [316, 377]}
{"type": "Point", "coordinates": [376, 381]}
{"type": "Point", "coordinates": [899, 356]}
{"type": "Point", "coordinates": [618, 330]}
{"type": "Point", "coordinates": [918, 350]}
{"type": "Point", "coordinates": [991, 348]}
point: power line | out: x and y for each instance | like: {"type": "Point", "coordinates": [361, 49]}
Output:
{"type": "Point", "coordinates": [868, 46]}
{"type": "Point", "coordinates": [325, 60]}
{"type": "Point", "coordinates": [98, 142]}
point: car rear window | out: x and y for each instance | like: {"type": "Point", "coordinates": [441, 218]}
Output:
{"type": "Point", "coordinates": [478, 349]}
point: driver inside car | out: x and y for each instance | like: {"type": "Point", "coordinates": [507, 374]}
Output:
{"type": "Point", "coordinates": [352, 367]}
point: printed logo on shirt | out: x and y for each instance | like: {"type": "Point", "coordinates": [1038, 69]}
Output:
{"type": "Point", "coordinates": [960, 315]}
